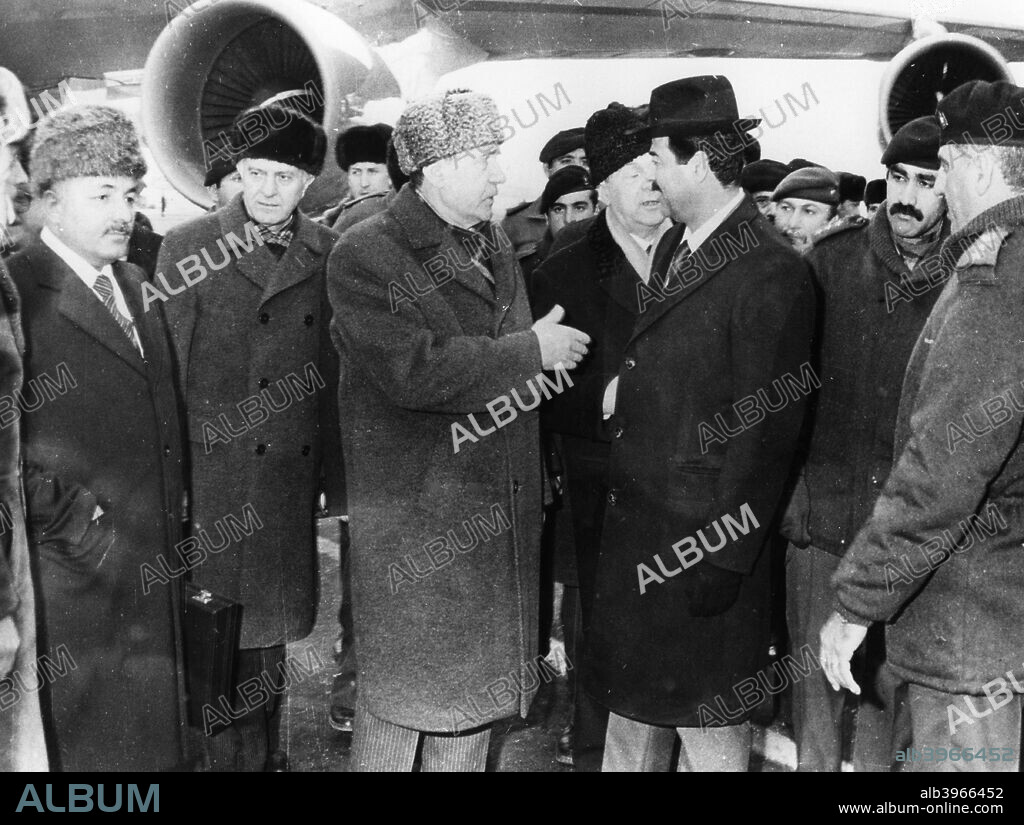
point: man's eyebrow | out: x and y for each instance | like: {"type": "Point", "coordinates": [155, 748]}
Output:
{"type": "Point", "coordinates": [925, 178]}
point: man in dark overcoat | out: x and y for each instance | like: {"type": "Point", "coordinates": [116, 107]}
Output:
{"type": "Point", "coordinates": [102, 445]}
{"type": "Point", "coordinates": [595, 280]}
{"type": "Point", "coordinates": [246, 302]}
{"type": "Point", "coordinates": [697, 463]}
{"type": "Point", "coordinates": [939, 560]}
{"type": "Point", "coordinates": [877, 284]}
{"type": "Point", "coordinates": [434, 331]}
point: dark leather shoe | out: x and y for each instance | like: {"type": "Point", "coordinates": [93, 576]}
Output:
{"type": "Point", "coordinates": [341, 718]}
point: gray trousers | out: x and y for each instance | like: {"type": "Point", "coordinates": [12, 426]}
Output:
{"type": "Point", "coordinates": [633, 746]}
{"type": "Point", "coordinates": [979, 725]}
{"type": "Point", "coordinates": [881, 726]}
{"type": "Point", "coordinates": [384, 747]}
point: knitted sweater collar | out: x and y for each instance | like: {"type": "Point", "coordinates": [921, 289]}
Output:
{"type": "Point", "coordinates": [979, 241]}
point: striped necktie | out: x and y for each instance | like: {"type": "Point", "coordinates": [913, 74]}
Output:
{"type": "Point", "coordinates": [681, 254]}
{"type": "Point", "coordinates": [105, 289]}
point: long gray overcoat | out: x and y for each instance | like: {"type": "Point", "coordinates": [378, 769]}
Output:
{"type": "Point", "coordinates": [445, 543]}
{"type": "Point", "coordinates": [259, 376]}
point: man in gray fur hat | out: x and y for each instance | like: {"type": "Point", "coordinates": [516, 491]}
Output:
{"type": "Point", "coordinates": [103, 456]}
{"type": "Point", "coordinates": [438, 352]}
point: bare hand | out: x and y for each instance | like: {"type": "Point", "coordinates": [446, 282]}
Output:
{"type": "Point", "coordinates": [560, 345]}
{"type": "Point", "coordinates": [839, 640]}
{"type": "Point", "coordinates": [9, 642]}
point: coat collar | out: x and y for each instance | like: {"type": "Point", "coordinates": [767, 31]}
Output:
{"type": "Point", "coordinates": [615, 275]}
{"type": "Point", "coordinates": [12, 307]}
{"type": "Point", "coordinates": [978, 243]}
{"type": "Point", "coordinates": [433, 239]}
{"type": "Point", "coordinates": [711, 258]}
{"type": "Point", "coordinates": [79, 304]}
{"type": "Point", "coordinates": [882, 243]}
{"type": "Point", "coordinates": [300, 261]}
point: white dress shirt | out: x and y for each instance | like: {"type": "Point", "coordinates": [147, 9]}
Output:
{"type": "Point", "coordinates": [88, 273]}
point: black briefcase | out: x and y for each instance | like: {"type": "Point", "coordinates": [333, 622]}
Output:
{"type": "Point", "coordinates": [212, 629]}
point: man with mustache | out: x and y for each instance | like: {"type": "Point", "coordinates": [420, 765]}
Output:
{"type": "Point", "coordinates": [940, 559]}
{"type": "Point", "coordinates": [877, 284]}
{"type": "Point", "coordinates": [103, 455]}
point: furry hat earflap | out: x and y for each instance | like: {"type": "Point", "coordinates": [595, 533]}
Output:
{"type": "Point", "coordinates": [84, 142]}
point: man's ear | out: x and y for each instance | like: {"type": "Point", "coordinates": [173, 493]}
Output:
{"type": "Point", "coordinates": [985, 172]}
{"type": "Point", "coordinates": [700, 165]}
{"type": "Point", "coordinates": [309, 182]}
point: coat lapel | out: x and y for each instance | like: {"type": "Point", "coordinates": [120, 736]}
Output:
{"type": "Point", "coordinates": [615, 275]}
{"type": "Point", "coordinates": [79, 305]}
{"type": "Point", "coordinates": [148, 324]}
{"type": "Point", "coordinates": [426, 234]}
{"type": "Point", "coordinates": [711, 258]}
{"type": "Point", "coordinates": [301, 260]}
{"type": "Point", "coordinates": [12, 307]}
{"type": "Point", "coordinates": [257, 265]}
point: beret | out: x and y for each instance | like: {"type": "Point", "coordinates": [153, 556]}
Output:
{"type": "Point", "coordinates": [445, 125]}
{"type": "Point", "coordinates": [564, 182]}
{"type": "Point", "coordinates": [276, 132]}
{"type": "Point", "coordinates": [874, 191]}
{"type": "Point", "coordinates": [566, 141]}
{"type": "Point", "coordinates": [609, 142]}
{"type": "Point", "coordinates": [983, 112]}
{"type": "Point", "coordinates": [801, 163]}
{"type": "Point", "coordinates": [916, 143]}
{"type": "Point", "coordinates": [851, 187]}
{"type": "Point", "coordinates": [763, 175]}
{"type": "Point", "coordinates": [84, 142]}
{"type": "Point", "coordinates": [363, 144]}
{"type": "Point", "coordinates": [812, 183]}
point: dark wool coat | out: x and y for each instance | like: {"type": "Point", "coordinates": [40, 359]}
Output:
{"type": "Point", "coordinates": [101, 426]}
{"type": "Point", "coordinates": [22, 747]}
{"type": "Point", "coordinates": [445, 544]}
{"type": "Point", "coordinates": [872, 310]}
{"type": "Point", "coordinates": [259, 378]}
{"type": "Point", "coordinates": [741, 317]}
{"type": "Point", "coordinates": [595, 284]}
{"type": "Point", "coordinates": [955, 618]}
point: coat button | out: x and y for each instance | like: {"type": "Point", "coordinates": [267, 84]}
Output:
{"type": "Point", "coordinates": [305, 449]}
{"type": "Point", "coordinates": [613, 499]}
{"type": "Point", "coordinates": [618, 432]}
{"type": "Point", "coordinates": [308, 320]}
{"type": "Point", "coordinates": [630, 363]}
{"type": "Point", "coordinates": [264, 318]}
{"type": "Point", "coordinates": [264, 383]}
{"type": "Point", "coordinates": [167, 450]}
{"type": "Point", "coordinates": [261, 449]}
{"type": "Point", "coordinates": [515, 487]}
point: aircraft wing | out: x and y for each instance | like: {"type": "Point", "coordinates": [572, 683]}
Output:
{"type": "Point", "coordinates": [44, 41]}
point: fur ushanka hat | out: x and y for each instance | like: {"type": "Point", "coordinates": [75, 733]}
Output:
{"type": "Point", "coordinates": [84, 142]}
{"type": "Point", "coordinates": [444, 126]}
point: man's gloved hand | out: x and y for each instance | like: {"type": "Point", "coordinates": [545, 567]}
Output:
{"type": "Point", "coordinates": [9, 641]}
{"type": "Point", "coordinates": [709, 589]}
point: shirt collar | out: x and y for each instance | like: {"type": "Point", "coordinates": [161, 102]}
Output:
{"type": "Point", "coordinates": [81, 267]}
{"type": "Point", "coordinates": [696, 237]}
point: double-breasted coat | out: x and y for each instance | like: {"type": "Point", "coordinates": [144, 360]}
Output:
{"type": "Point", "coordinates": [101, 426]}
{"type": "Point", "coordinates": [22, 747]}
{"type": "Point", "coordinates": [738, 317]}
{"type": "Point", "coordinates": [259, 377]}
{"type": "Point", "coordinates": [445, 542]}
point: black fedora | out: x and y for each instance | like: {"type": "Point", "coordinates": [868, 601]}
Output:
{"type": "Point", "coordinates": [695, 106]}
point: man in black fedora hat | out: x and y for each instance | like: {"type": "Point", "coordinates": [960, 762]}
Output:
{"type": "Point", "coordinates": [700, 453]}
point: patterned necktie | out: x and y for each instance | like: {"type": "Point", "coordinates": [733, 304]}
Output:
{"type": "Point", "coordinates": [681, 254]}
{"type": "Point", "coordinates": [105, 289]}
